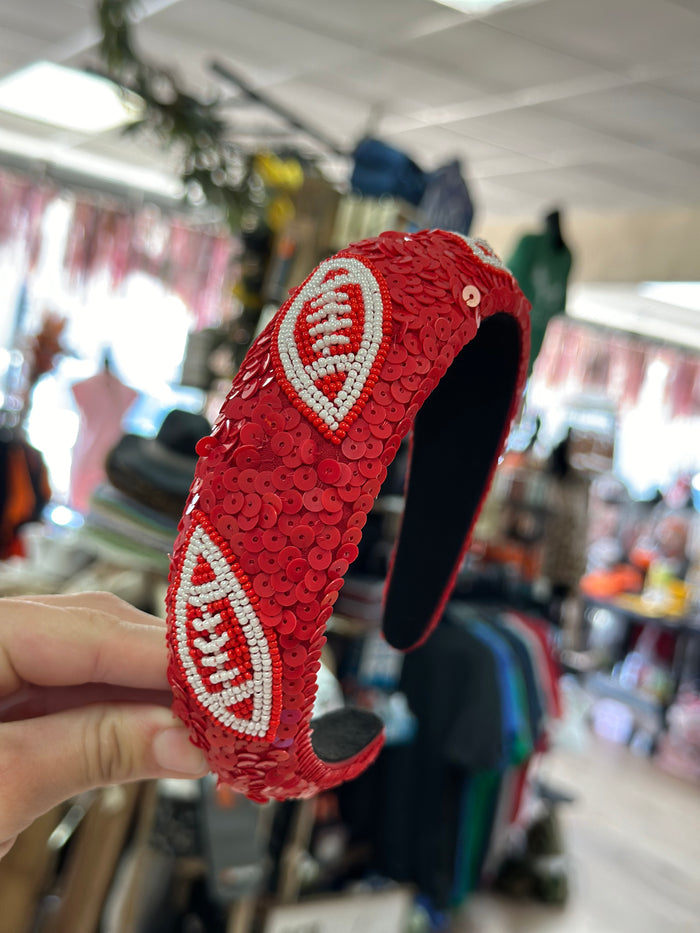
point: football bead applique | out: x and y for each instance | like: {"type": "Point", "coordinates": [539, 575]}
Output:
{"type": "Point", "coordinates": [330, 343]}
{"type": "Point", "coordinates": [229, 660]}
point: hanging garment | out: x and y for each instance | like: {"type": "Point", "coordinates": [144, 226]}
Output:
{"type": "Point", "coordinates": [541, 266]}
{"type": "Point", "coordinates": [534, 691]}
{"type": "Point", "coordinates": [481, 791]}
{"type": "Point", "coordinates": [540, 671]}
{"type": "Point", "coordinates": [380, 169]}
{"type": "Point", "coordinates": [102, 401]}
{"type": "Point", "coordinates": [447, 204]}
{"type": "Point", "coordinates": [517, 733]}
{"type": "Point", "coordinates": [431, 809]}
{"type": "Point", "coordinates": [406, 806]}
{"type": "Point", "coordinates": [492, 799]}
{"type": "Point", "coordinates": [566, 531]}
{"type": "Point", "coordinates": [538, 633]}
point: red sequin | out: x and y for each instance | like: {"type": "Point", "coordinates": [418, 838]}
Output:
{"type": "Point", "coordinates": [329, 471]}
{"type": "Point", "coordinates": [313, 500]}
{"type": "Point", "coordinates": [305, 478]}
{"type": "Point", "coordinates": [292, 502]}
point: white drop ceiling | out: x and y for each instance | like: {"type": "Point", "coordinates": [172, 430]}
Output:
{"type": "Point", "coordinates": [585, 104]}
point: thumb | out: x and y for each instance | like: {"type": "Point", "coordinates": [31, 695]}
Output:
{"type": "Point", "coordinates": [44, 761]}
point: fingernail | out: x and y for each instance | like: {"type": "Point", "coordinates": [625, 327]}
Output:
{"type": "Point", "coordinates": [173, 751]}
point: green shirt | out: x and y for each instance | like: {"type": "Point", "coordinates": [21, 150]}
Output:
{"type": "Point", "coordinates": [541, 267]}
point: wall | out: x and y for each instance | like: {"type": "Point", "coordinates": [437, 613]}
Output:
{"type": "Point", "coordinates": [616, 247]}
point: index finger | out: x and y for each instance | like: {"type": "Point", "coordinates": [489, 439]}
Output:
{"type": "Point", "coordinates": [107, 601]}
{"type": "Point", "coordinates": [66, 640]}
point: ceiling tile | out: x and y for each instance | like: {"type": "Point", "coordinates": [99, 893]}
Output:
{"type": "Point", "coordinates": [389, 124]}
{"type": "Point", "coordinates": [404, 86]}
{"type": "Point", "coordinates": [17, 50]}
{"type": "Point", "coordinates": [685, 84]}
{"type": "Point", "coordinates": [692, 156]}
{"type": "Point", "coordinates": [249, 39]}
{"type": "Point", "coordinates": [482, 55]}
{"type": "Point", "coordinates": [508, 164]}
{"type": "Point", "coordinates": [188, 60]}
{"type": "Point", "coordinates": [40, 19]}
{"type": "Point", "coordinates": [637, 113]}
{"type": "Point", "coordinates": [616, 34]}
{"type": "Point", "coordinates": [664, 176]}
{"type": "Point", "coordinates": [36, 29]}
{"type": "Point", "coordinates": [342, 117]}
{"type": "Point", "coordinates": [437, 145]}
{"type": "Point", "coordinates": [688, 4]}
{"type": "Point", "coordinates": [607, 91]}
{"type": "Point", "coordinates": [533, 131]}
{"type": "Point", "coordinates": [583, 189]}
{"type": "Point", "coordinates": [367, 23]}
{"type": "Point", "coordinates": [491, 197]}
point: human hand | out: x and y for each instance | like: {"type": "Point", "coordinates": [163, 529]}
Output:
{"type": "Point", "coordinates": [84, 702]}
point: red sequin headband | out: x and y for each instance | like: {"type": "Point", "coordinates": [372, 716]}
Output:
{"type": "Point", "coordinates": [426, 331]}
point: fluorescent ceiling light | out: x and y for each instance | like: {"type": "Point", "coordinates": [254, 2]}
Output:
{"type": "Point", "coordinates": [476, 7]}
{"type": "Point", "coordinates": [90, 165]}
{"type": "Point", "coordinates": [67, 98]}
{"type": "Point", "coordinates": [683, 294]}
{"type": "Point", "coordinates": [673, 319]}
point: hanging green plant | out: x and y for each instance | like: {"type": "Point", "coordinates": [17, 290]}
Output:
{"type": "Point", "coordinates": [213, 167]}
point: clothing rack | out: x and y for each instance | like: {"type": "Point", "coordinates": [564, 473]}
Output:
{"type": "Point", "coordinates": [438, 811]}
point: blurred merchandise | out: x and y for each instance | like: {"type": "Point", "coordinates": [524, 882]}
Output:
{"type": "Point", "coordinates": [380, 169]}
{"type": "Point", "coordinates": [24, 491]}
{"type": "Point", "coordinates": [541, 264]}
{"type": "Point", "coordinates": [157, 472]}
{"type": "Point", "coordinates": [305, 240]}
{"type": "Point", "coordinates": [44, 347]}
{"type": "Point", "coordinates": [613, 720]}
{"type": "Point", "coordinates": [604, 584]}
{"type": "Point", "coordinates": [679, 749]}
{"type": "Point", "coordinates": [446, 203]}
{"type": "Point", "coordinates": [360, 217]}
{"type": "Point", "coordinates": [113, 512]}
{"type": "Point", "coordinates": [196, 365]}
{"type": "Point", "coordinates": [637, 400]}
{"type": "Point", "coordinates": [102, 402]}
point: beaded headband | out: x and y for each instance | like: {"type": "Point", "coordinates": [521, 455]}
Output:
{"type": "Point", "coordinates": [425, 332]}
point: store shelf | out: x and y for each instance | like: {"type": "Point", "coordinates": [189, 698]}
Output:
{"type": "Point", "coordinates": [603, 685]}
{"type": "Point", "coordinates": [686, 625]}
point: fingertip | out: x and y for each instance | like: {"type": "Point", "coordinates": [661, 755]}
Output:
{"type": "Point", "coordinates": [6, 846]}
{"type": "Point", "coordinates": [174, 752]}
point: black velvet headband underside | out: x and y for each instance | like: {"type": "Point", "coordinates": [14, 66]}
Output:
{"type": "Point", "coordinates": [455, 440]}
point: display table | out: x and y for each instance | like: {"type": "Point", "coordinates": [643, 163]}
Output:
{"type": "Point", "coordinates": [686, 654]}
